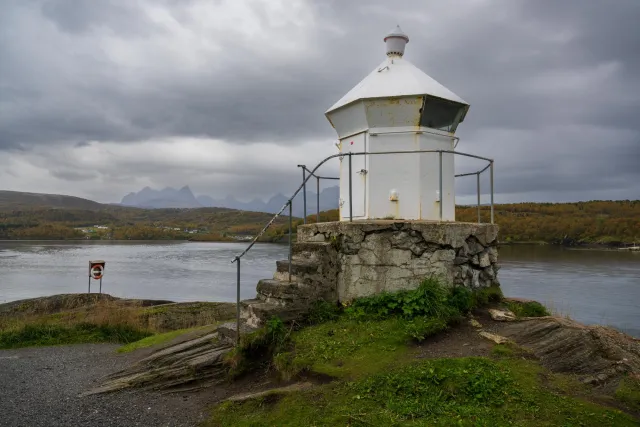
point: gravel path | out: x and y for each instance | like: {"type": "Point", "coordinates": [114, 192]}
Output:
{"type": "Point", "coordinates": [40, 387]}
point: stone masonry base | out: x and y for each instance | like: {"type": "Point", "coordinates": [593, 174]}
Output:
{"type": "Point", "coordinates": [375, 256]}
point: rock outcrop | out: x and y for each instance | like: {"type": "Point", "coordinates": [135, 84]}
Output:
{"type": "Point", "coordinates": [198, 359]}
{"type": "Point", "coordinates": [596, 353]}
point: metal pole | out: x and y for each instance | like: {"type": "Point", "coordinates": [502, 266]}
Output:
{"type": "Point", "coordinates": [317, 199]}
{"type": "Point", "coordinates": [304, 191]}
{"type": "Point", "coordinates": [491, 173]}
{"type": "Point", "coordinates": [440, 170]}
{"type": "Point", "coordinates": [478, 190]}
{"type": "Point", "coordinates": [290, 230]}
{"type": "Point", "coordinates": [350, 191]}
{"type": "Point", "coordinates": [238, 303]}
{"type": "Point", "coordinates": [89, 291]}
{"type": "Point", "coordinates": [100, 285]}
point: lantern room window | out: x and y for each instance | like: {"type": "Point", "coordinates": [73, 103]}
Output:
{"type": "Point", "coordinates": [441, 114]}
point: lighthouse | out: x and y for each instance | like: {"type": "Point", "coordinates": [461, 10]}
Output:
{"type": "Point", "coordinates": [403, 124]}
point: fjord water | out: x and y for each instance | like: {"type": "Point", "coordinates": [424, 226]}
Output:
{"type": "Point", "coordinates": [590, 286]}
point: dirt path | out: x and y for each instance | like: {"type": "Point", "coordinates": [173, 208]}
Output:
{"type": "Point", "coordinates": [40, 387]}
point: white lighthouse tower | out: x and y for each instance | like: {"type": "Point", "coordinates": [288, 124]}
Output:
{"type": "Point", "coordinates": [397, 107]}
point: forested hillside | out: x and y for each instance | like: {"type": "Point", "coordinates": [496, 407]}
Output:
{"type": "Point", "coordinates": [596, 222]}
{"type": "Point", "coordinates": [600, 222]}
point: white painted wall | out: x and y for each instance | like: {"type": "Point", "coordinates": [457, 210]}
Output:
{"type": "Point", "coordinates": [400, 172]}
{"type": "Point", "coordinates": [430, 178]}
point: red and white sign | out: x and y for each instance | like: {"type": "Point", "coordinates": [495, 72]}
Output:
{"type": "Point", "coordinates": [96, 269]}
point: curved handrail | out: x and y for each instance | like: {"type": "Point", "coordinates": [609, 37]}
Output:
{"type": "Point", "coordinates": [361, 153]}
{"type": "Point", "coordinates": [312, 172]}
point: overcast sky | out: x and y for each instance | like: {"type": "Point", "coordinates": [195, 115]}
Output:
{"type": "Point", "coordinates": [100, 98]}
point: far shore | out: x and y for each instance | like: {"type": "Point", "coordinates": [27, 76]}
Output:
{"type": "Point", "coordinates": [576, 247]}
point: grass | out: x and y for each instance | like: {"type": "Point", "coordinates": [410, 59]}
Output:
{"type": "Point", "coordinates": [48, 334]}
{"type": "Point", "coordinates": [153, 340]}
{"type": "Point", "coordinates": [443, 392]}
{"type": "Point", "coordinates": [368, 350]}
{"type": "Point", "coordinates": [527, 309]}
{"type": "Point", "coordinates": [82, 318]}
{"type": "Point", "coordinates": [628, 392]}
{"type": "Point", "coordinates": [344, 348]}
{"type": "Point", "coordinates": [369, 334]}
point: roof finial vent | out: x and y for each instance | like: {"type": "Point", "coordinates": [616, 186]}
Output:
{"type": "Point", "coordinates": [396, 41]}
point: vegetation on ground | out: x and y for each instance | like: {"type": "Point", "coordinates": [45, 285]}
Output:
{"type": "Point", "coordinates": [527, 309]}
{"type": "Point", "coordinates": [594, 222]}
{"type": "Point", "coordinates": [368, 350]}
{"type": "Point", "coordinates": [124, 223]}
{"type": "Point", "coordinates": [628, 392]}
{"type": "Point", "coordinates": [91, 318]}
{"type": "Point", "coordinates": [154, 340]}
{"type": "Point", "coordinates": [56, 334]}
{"type": "Point", "coordinates": [440, 392]}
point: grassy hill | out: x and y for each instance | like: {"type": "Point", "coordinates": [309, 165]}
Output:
{"type": "Point", "coordinates": [10, 200]}
{"type": "Point", "coordinates": [47, 216]}
{"type": "Point", "coordinates": [601, 222]}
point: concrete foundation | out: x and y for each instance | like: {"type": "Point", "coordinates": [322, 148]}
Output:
{"type": "Point", "coordinates": [376, 256]}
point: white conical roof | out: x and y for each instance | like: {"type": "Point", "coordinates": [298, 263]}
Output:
{"type": "Point", "coordinates": [396, 77]}
{"type": "Point", "coordinates": [401, 78]}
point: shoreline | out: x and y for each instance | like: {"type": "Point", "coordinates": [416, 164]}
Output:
{"type": "Point", "coordinates": [585, 246]}
{"type": "Point", "coordinates": [15, 307]}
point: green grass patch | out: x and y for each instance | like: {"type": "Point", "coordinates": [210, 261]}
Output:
{"type": "Point", "coordinates": [345, 347]}
{"type": "Point", "coordinates": [155, 339]}
{"type": "Point", "coordinates": [430, 299]}
{"type": "Point", "coordinates": [367, 349]}
{"type": "Point", "coordinates": [628, 392]}
{"type": "Point", "coordinates": [367, 335]}
{"type": "Point", "coordinates": [503, 350]}
{"type": "Point", "coordinates": [52, 334]}
{"type": "Point", "coordinates": [444, 392]}
{"type": "Point", "coordinates": [528, 309]}
{"type": "Point", "coordinates": [484, 296]}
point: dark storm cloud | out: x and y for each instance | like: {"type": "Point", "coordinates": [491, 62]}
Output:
{"type": "Point", "coordinates": [527, 67]}
{"type": "Point", "coordinates": [70, 175]}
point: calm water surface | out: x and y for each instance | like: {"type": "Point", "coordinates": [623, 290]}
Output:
{"type": "Point", "coordinates": [590, 286]}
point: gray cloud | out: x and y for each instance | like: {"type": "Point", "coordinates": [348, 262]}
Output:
{"type": "Point", "coordinates": [553, 86]}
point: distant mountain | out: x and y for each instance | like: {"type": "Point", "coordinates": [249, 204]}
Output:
{"type": "Point", "coordinates": [20, 200]}
{"type": "Point", "coordinates": [183, 198]}
{"type": "Point", "coordinates": [166, 198]}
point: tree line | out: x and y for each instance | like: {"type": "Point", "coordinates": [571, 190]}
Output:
{"type": "Point", "coordinates": [593, 222]}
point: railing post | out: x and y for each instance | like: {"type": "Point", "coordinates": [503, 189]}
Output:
{"type": "Point", "coordinates": [304, 192]}
{"type": "Point", "coordinates": [350, 191]}
{"type": "Point", "coordinates": [491, 172]}
{"type": "Point", "coordinates": [238, 303]}
{"type": "Point", "coordinates": [317, 199]}
{"type": "Point", "coordinates": [478, 191]}
{"type": "Point", "coordinates": [440, 171]}
{"type": "Point", "coordinates": [290, 231]}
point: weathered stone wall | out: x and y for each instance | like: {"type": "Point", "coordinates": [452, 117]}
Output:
{"type": "Point", "coordinates": [375, 256]}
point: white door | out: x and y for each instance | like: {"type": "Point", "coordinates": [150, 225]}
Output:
{"type": "Point", "coordinates": [353, 144]}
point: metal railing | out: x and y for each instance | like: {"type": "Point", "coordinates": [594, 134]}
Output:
{"type": "Point", "coordinates": [307, 174]}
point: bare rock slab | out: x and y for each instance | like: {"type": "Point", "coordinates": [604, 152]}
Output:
{"type": "Point", "coordinates": [596, 353]}
{"type": "Point", "coordinates": [498, 339]}
{"type": "Point", "coordinates": [275, 391]}
{"type": "Point", "coordinates": [502, 315]}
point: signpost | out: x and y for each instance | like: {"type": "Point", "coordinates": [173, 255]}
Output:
{"type": "Point", "coordinates": [96, 271]}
